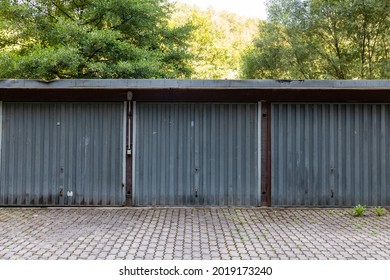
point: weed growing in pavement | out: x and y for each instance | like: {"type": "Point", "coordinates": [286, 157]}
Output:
{"type": "Point", "coordinates": [330, 212]}
{"type": "Point", "coordinates": [374, 232]}
{"type": "Point", "coordinates": [236, 219]}
{"type": "Point", "coordinates": [359, 210]}
{"type": "Point", "coordinates": [264, 234]}
{"type": "Point", "coordinates": [379, 211]}
{"type": "Point", "coordinates": [359, 226]}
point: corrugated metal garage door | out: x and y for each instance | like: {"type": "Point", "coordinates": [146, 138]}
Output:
{"type": "Point", "coordinates": [62, 154]}
{"type": "Point", "coordinates": [196, 154]}
{"type": "Point", "coordinates": [330, 154]}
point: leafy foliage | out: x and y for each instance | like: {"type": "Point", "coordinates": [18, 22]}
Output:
{"type": "Point", "coordinates": [51, 39]}
{"type": "Point", "coordinates": [322, 39]}
{"type": "Point", "coordinates": [217, 40]}
{"type": "Point", "coordinates": [379, 211]}
{"type": "Point", "coordinates": [359, 210]}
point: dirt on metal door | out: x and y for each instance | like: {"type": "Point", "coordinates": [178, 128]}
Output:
{"type": "Point", "coordinates": [196, 154]}
{"type": "Point", "coordinates": [330, 154]}
{"type": "Point", "coordinates": [58, 154]}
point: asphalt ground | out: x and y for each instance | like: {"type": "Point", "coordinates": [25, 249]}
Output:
{"type": "Point", "coordinates": [192, 234]}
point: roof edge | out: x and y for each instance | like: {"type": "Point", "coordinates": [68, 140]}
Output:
{"type": "Point", "coordinates": [192, 84]}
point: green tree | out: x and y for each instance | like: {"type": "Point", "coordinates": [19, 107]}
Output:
{"type": "Point", "coordinates": [322, 39]}
{"type": "Point", "coordinates": [51, 39]}
{"type": "Point", "coordinates": [217, 40]}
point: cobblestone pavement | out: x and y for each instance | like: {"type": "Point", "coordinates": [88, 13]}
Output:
{"type": "Point", "coordinates": [192, 233]}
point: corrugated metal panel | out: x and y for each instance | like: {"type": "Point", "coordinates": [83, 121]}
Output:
{"type": "Point", "coordinates": [50, 149]}
{"type": "Point", "coordinates": [196, 154]}
{"type": "Point", "coordinates": [330, 154]}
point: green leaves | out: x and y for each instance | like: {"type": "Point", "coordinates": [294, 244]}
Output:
{"type": "Point", "coordinates": [45, 63]}
{"type": "Point", "coordinates": [359, 210]}
{"type": "Point", "coordinates": [52, 39]}
{"type": "Point", "coordinates": [322, 39]}
{"type": "Point", "coordinates": [217, 41]}
{"type": "Point", "coordinates": [379, 211]}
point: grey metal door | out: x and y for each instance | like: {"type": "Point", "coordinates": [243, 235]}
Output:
{"type": "Point", "coordinates": [330, 154]}
{"type": "Point", "coordinates": [62, 154]}
{"type": "Point", "coordinates": [196, 154]}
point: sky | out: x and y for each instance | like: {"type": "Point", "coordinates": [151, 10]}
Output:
{"type": "Point", "coordinates": [249, 8]}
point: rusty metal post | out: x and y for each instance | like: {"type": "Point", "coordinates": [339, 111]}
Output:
{"type": "Point", "coordinates": [266, 154]}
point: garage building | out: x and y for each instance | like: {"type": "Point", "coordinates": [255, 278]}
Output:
{"type": "Point", "coordinates": [194, 143]}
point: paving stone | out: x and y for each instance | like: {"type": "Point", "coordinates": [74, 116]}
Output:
{"type": "Point", "coordinates": [159, 254]}
{"type": "Point", "coordinates": [149, 257]}
{"type": "Point", "coordinates": [101, 254]}
{"type": "Point", "coordinates": [191, 233]}
{"type": "Point", "coordinates": [168, 257]}
{"type": "Point", "coordinates": [234, 254]}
